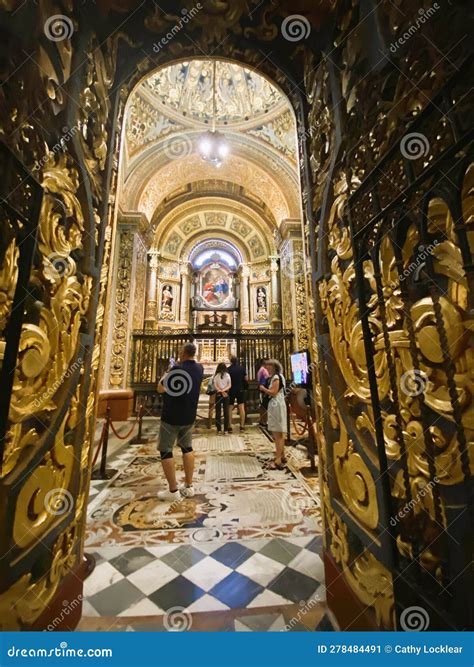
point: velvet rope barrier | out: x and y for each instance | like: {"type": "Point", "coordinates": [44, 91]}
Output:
{"type": "Point", "coordinates": [127, 435]}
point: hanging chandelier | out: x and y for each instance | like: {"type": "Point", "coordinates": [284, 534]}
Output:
{"type": "Point", "coordinates": [212, 145]}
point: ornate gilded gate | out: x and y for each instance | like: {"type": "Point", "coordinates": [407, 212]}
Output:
{"type": "Point", "coordinates": [396, 397]}
{"type": "Point", "coordinates": [412, 233]}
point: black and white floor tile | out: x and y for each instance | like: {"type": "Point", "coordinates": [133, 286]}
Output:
{"type": "Point", "coordinates": [149, 578]}
{"type": "Point", "coordinates": [245, 574]}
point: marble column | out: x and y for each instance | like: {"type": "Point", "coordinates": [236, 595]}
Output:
{"type": "Point", "coordinates": [276, 292]}
{"type": "Point", "coordinates": [184, 303]}
{"type": "Point", "coordinates": [151, 303]}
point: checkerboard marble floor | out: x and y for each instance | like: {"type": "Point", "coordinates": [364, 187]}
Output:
{"type": "Point", "coordinates": [275, 575]}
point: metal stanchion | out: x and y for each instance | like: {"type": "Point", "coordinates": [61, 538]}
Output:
{"type": "Point", "coordinates": [139, 439]}
{"type": "Point", "coordinates": [103, 472]}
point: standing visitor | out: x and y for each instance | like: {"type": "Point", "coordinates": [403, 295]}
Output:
{"type": "Point", "coordinates": [181, 386]}
{"type": "Point", "coordinates": [222, 385]}
{"type": "Point", "coordinates": [211, 392]}
{"type": "Point", "coordinates": [262, 381]}
{"type": "Point", "coordinates": [239, 380]}
{"type": "Point", "coordinates": [277, 412]}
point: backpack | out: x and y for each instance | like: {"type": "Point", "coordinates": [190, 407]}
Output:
{"type": "Point", "coordinates": [266, 398]}
{"type": "Point", "coordinates": [210, 386]}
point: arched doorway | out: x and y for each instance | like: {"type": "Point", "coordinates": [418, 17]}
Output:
{"type": "Point", "coordinates": [169, 199]}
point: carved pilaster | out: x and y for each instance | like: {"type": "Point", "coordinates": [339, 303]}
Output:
{"type": "Point", "coordinates": [184, 303]}
{"type": "Point", "coordinates": [244, 295]}
{"type": "Point", "coordinates": [151, 311]}
{"type": "Point", "coordinates": [293, 280]}
{"type": "Point", "coordinates": [276, 292]}
{"type": "Point", "coordinates": [126, 307]}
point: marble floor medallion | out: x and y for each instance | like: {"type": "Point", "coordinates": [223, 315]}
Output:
{"type": "Point", "coordinates": [238, 496]}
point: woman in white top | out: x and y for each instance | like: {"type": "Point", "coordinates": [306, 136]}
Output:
{"type": "Point", "coordinates": [277, 413]}
{"type": "Point", "coordinates": [222, 384]}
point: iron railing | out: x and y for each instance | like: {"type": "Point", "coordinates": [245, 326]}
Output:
{"type": "Point", "coordinates": [151, 351]}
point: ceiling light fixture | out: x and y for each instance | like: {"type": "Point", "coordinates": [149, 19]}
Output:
{"type": "Point", "coordinates": [212, 145]}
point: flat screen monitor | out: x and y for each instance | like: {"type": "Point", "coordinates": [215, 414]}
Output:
{"type": "Point", "coordinates": [300, 369]}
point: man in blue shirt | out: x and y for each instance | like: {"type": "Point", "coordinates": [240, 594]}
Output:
{"type": "Point", "coordinates": [181, 386]}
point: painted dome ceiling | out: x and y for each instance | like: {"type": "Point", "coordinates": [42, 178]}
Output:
{"type": "Point", "coordinates": [169, 110]}
{"type": "Point", "coordinates": [241, 94]}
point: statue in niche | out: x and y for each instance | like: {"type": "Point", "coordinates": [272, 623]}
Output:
{"type": "Point", "coordinates": [261, 300]}
{"type": "Point", "coordinates": [166, 299]}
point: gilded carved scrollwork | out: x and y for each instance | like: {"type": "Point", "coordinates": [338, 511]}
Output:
{"type": "Point", "coordinates": [48, 438]}
{"type": "Point", "coordinates": [24, 601]}
{"type": "Point", "coordinates": [48, 346]}
{"type": "Point", "coordinates": [412, 288]}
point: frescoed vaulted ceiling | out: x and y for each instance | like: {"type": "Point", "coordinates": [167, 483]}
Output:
{"type": "Point", "coordinates": [167, 113]}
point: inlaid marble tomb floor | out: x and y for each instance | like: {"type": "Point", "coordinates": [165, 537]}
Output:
{"type": "Point", "coordinates": [243, 554]}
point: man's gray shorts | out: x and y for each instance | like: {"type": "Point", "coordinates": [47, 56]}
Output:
{"type": "Point", "coordinates": [170, 434]}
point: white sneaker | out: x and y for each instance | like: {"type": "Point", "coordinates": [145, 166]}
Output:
{"type": "Point", "coordinates": [186, 491]}
{"type": "Point", "coordinates": [168, 495]}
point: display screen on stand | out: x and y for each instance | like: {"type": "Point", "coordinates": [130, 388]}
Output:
{"type": "Point", "coordinates": [300, 368]}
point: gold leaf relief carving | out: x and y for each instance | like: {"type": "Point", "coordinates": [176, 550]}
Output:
{"type": "Point", "coordinates": [393, 302]}
{"type": "Point", "coordinates": [8, 278]}
{"type": "Point", "coordinates": [368, 578]}
{"type": "Point", "coordinates": [356, 484]}
{"type": "Point", "coordinates": [35, 505]}
{"type": "Point", "coordinates": [345, 329]}
{"type": "Point", "coordinates": [121, 312]}
{"type": "Point", "coordinates": [23, 602]}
